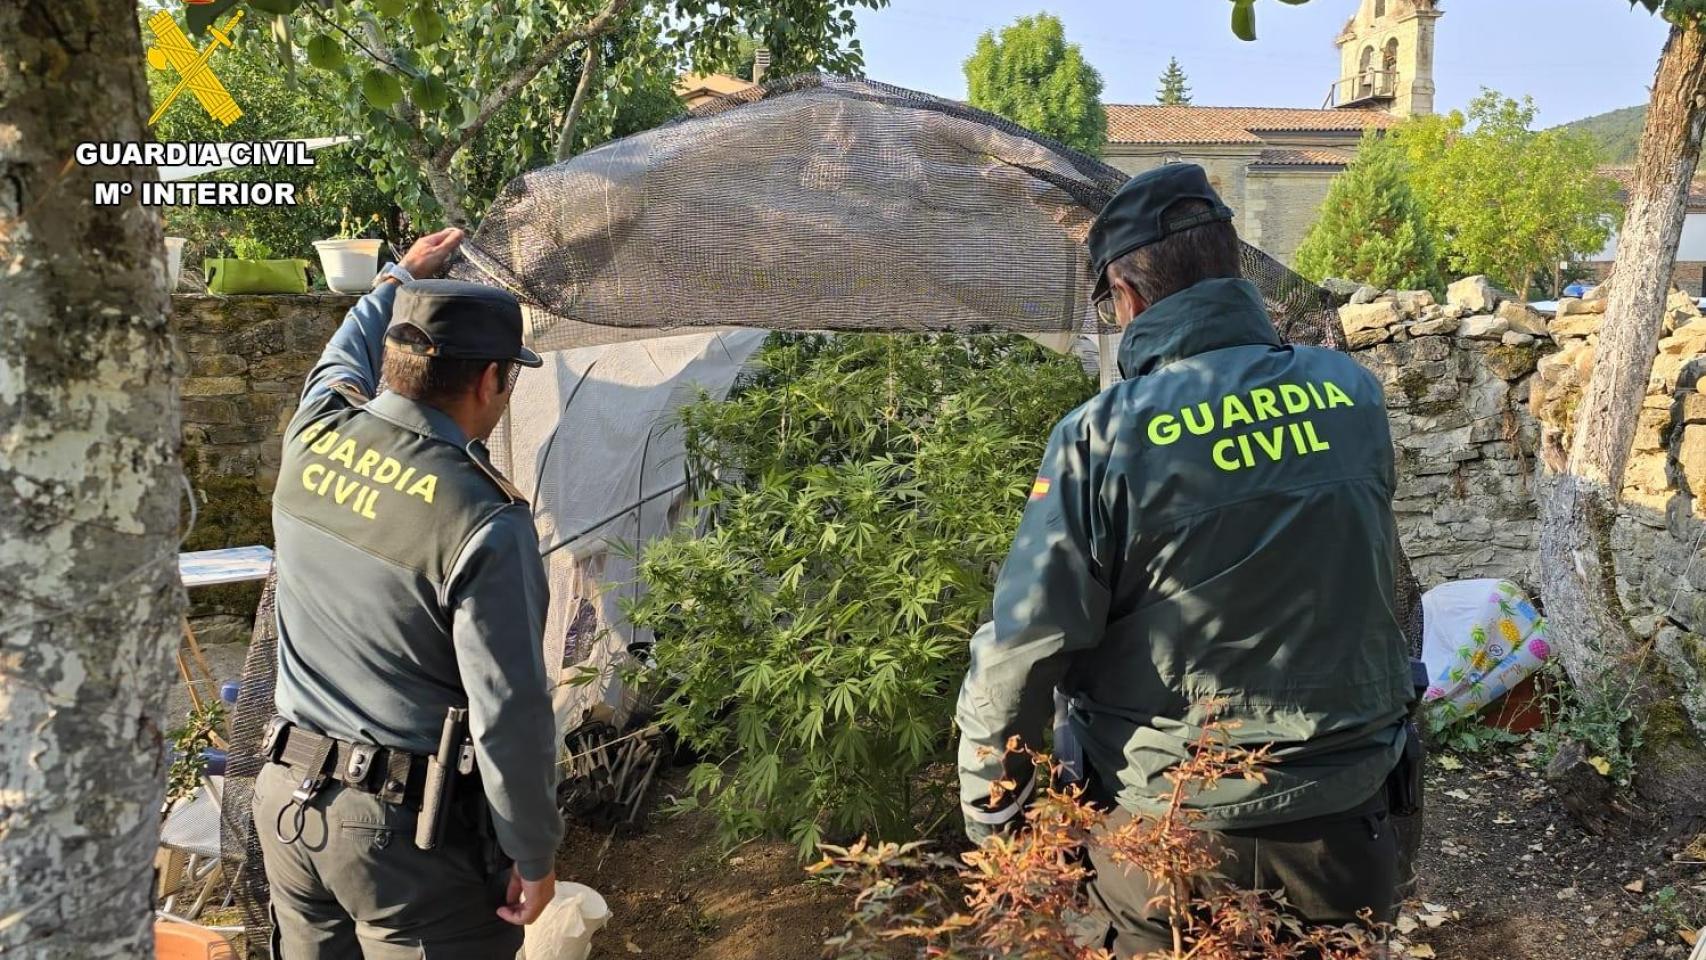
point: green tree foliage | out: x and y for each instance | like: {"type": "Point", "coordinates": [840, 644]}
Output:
{"type": "Point", "coordinates": [1033, 77]}
{"type": "Point", "coordinates": [862, 491]}
{"type": "Point", "coordinates": [1504, 199]}
{"type": "Point", "coordinates": [456, 97]}
{"type": "Point", "coordinates": [1174, 91]}
{"type": "Point", "coordinates": [1372, 228]}
{"type": "Point", "coordinates": [273, 109]}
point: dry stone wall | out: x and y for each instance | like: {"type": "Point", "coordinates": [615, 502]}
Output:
{"type": "Point", "coordinates": [1456, 376]}
{"type": "Point", "coordinates": [1483, 394]}
{"type": "Point", "coordinates": [1660, 530]}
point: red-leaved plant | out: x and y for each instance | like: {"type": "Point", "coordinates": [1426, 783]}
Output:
{"type": "Point", "coordinates": [1023, 895]}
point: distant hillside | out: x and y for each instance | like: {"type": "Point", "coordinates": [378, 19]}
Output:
{"type": "Point", "coordinates": [1618, 133]}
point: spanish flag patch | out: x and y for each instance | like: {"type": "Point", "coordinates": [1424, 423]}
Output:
{"type": "Point", "coordinates": [1040, 489]}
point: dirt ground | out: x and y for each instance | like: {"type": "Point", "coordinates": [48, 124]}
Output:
{"type": "Point", "coordinates": [1518, 880]}
{"type": "Point", "coordinates": [674, 893]}
{"type": "Point", "coordinates": [1506, 876]}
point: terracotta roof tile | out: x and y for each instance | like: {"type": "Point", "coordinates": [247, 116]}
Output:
{"type": "Point", "coordinates": [1303, 158]}
{"type": "Point", "coordinates": [1140, 123]}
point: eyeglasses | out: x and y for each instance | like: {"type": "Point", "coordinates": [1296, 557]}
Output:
{"type": "Point", "coordinates": [1106, 311]}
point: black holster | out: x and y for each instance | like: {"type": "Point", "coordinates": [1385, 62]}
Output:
{"type": "Point", "coordinates": [1404, 786]}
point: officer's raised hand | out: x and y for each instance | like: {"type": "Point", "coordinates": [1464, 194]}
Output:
{"type": "Point", "coordinates": [427, 257]}
{"type": "Point", "coordinates": [527, 898]}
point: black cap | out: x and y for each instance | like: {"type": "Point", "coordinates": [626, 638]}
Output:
{"type": "Point", "coordinates": [1135, 217]}
{"type": "Point", "coordinates": [464, 321]}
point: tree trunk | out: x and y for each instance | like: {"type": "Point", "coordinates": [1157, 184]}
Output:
{"type": "Point", "coordinates": [89, 493]}
{"type": "Point", "coordinates": [1578, 568]}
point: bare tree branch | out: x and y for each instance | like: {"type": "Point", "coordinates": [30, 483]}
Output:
{"type": "Point", "coordinates": [598, 26]}
{"type": "Point", "coordinates": [589, 69]}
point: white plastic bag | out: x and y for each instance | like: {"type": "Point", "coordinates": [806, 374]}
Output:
{"type": "Point", "coordinates": [1480, 638]}
{"type": "Point", "coordinates": [564, 931]}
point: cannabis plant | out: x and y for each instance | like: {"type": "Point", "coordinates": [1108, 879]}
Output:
{"type": "Point", "coordinates": [858, 494]}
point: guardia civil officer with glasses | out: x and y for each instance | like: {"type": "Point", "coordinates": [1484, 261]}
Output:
{"type": "Point", "coordinates": [1209, 540]}
{"type": "Point", "coordinates": [409, 806]}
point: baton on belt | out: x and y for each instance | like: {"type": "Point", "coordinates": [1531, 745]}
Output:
{"type": "Point", "coordinates": [442, 768]}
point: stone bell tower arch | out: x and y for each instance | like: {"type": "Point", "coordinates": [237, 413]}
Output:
{"type": "Point", "coordinates": [1386, 57]}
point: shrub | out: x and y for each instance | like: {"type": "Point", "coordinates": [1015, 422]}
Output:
{"type": "Point", "coordinates": [1372, 228]}
{"type": "Point", "coordinates": [861, 492]}
{"type": "Point", "coordinates": [1019, 895]}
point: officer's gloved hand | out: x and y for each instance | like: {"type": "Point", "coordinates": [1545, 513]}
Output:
{"type": "Point", "coordinates": [984, 819]}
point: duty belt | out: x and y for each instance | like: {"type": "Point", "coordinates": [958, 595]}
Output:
{"type": "Point", "coordinates": [394, 776]}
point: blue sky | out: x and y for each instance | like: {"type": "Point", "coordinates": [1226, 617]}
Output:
{"type": "Point", "coordinates": [1575, 57]}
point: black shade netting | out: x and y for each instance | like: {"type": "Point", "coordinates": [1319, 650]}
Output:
{"type": "Point", "coordinates": [239, 846]}
{"type": "Point", "coordinates": [814, 203]}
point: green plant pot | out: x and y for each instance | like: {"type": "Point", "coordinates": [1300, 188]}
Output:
{"type": "Point", "coordinates": [229, 275]}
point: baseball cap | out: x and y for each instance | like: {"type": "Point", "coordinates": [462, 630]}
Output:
{"type": "Point", "coordinates": [1136, 216]}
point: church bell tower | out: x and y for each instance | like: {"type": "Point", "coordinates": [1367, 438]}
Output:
{"type": "Point", "coordinates": [1386, 57]}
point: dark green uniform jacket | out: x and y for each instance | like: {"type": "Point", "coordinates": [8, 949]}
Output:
{"type": "Point", "coordinates": [409, 581]}
{"type": "Point", "coordinates": [1215, 529]}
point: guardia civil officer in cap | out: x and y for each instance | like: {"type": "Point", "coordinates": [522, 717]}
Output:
{"type": "Point", "coordinates": [1210, 538]}
{"type": "Point", "coordinates": [409, 587]}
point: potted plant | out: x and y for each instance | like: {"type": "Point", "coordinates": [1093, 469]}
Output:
{"type": "Point", "coordinates": [251, 268]}
{"type": "Point", "coordinates": [350, 260]}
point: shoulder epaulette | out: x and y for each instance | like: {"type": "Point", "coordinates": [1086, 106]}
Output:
{"type": "Point", "coordinates": [349, 390]}
{"type": "Point", "coordinates": [476, 453]}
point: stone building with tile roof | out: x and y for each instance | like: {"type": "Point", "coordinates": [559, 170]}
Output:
{"type": "Point", "coordinates": [1273, 165]}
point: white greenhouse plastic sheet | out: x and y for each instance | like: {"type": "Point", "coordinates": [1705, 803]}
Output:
{"type": "Point", "coordinates": [591, 439]}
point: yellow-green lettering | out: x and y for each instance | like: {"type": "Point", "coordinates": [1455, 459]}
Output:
{"type": "Point", "coordinates": [364, 466]}
{"type": "Point", "coordinates": [1192, 425]}
{"type": "Point", "coordinates": [1335, 396]}
{"type": "Point", "coordinates": [1232, 412]}
{"type": "Point", "coordinates": [1263, 400]}
{"type": "Point", "coordinates": [424, 487]}
{"type": "Point", "coordinates": [1221, 457]}
{"type": "Point", "coordinates": [1316, 444]}
{"type": "Point", "coordinates": [344, 454]}
{"type": "Point", "coordinates": [1296, 400]}
{"type": "Point", "coordinates": [1163, 430]}
{"type": "Point", "coordinates": [344, 489]}
{"type": "Point", "coordinates": [1272, 442]}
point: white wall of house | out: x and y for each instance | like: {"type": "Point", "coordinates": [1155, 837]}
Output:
{"type": "Point", "coordinates": [1691, 250]}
